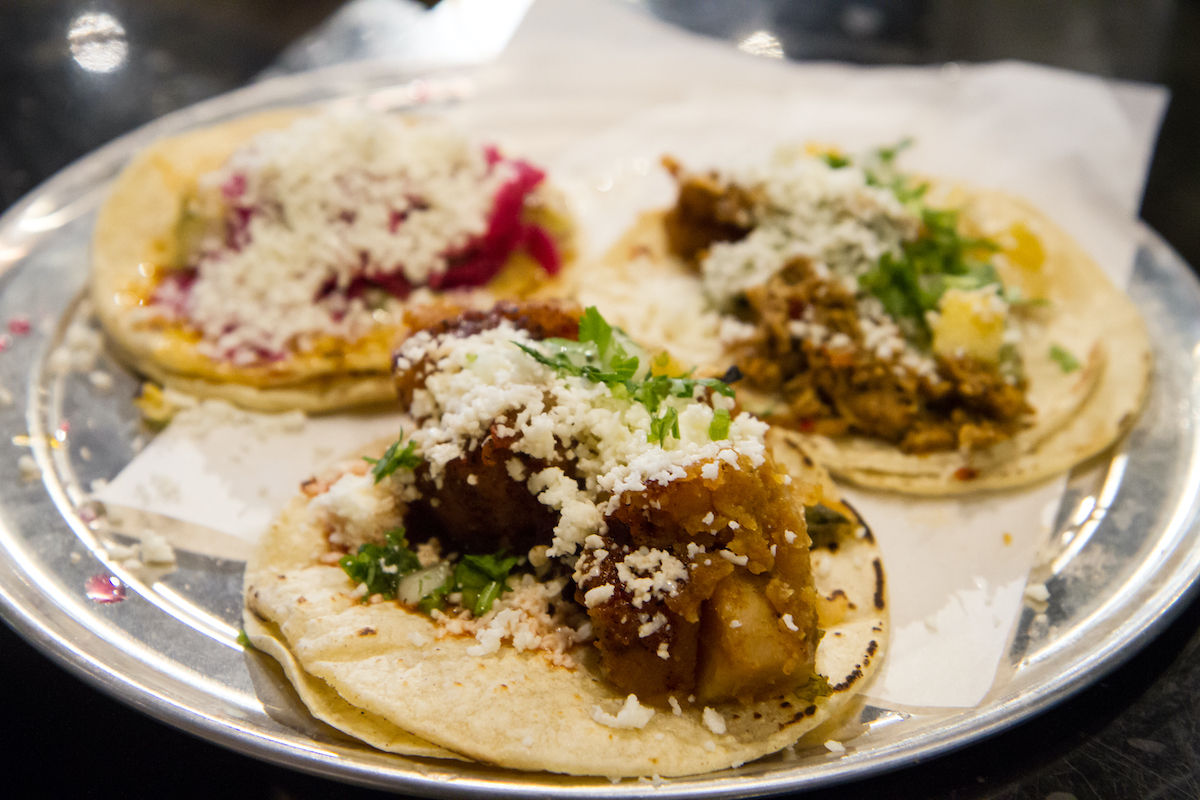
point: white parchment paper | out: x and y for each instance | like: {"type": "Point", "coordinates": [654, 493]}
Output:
{"type": "Point", "coordinates": [599, 92]}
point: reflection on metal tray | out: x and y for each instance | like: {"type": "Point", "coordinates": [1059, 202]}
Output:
{"type": "Point", "coordinates": [1122, 556]}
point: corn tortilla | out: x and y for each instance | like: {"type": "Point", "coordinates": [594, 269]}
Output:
{"type": "Point", "coordinates": [516, 709]}
{"type": "Point", "coordinates": [1079, 413]}
{"type": "Point", "coordinates": [136, 235]}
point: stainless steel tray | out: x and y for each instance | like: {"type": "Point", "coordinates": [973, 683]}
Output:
{"type": "Point", "coordinates": [1122, 559]}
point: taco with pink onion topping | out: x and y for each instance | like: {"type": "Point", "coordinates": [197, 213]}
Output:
{"type": "Point", "coordinates": [268, 260]}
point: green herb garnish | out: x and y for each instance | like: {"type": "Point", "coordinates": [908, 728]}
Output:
{"type": "Point", "coordinates": [660, 427]}
{"type": "Point", "coordinates": [599, 356]}
{"type": "Point", "coordinates": [824, 524]}
{"type": "Point", "coordinates": [394, 458]}
{"type": "Point", "coordinates": [602, 355]}
{"type": "Point", "coordinates": [817, 686]}
{"type": "Point", "coordinates": [480, 579]}
{"type": "Point", "coordinates": [1064, 358]}
{"type": "Point", "coordinates": [718, 429]}
{"type": "Point", "coordinates": [939, 259]}
{"type": "Point", "coordinates": [835, 160]}
{"type": "Point", "coordinates": [244, 640]}
{"type": "Point", "coordinates": [381, 567]}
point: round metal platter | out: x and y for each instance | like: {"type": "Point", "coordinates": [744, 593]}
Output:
{"type": "Point", "coordinates": [1123, 556]}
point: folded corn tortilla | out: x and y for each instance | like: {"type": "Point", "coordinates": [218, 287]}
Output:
{"type": "Point", "coordinates": [380, 673]}
{"type": "Point", "coordinates": [137, 234]}
{"type": "Point", "coordinates": [658, 299]}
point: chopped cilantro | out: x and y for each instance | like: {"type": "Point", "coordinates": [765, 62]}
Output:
{"type": "Point", "coordinates": [381, 567]}
{"type": "Point", "coordinates": [599, 356]}
{"type": "Point", "coordinates": [718, 429]}
{"type": "Point", "coordinates": [817, 686]}
{"type": "Point", "coordinates": [940, 258]}
{"type": "Point", "coordinates": [887, 155]}
{"type": "Point", "coordinates": [472, 358]}
{"type": "Point", "coordinates": [1064, 358]}
{"type": "Point", "coordinates": [480, 579]}
{"type": "Point", "coordinates": [1011, 368]}
{"type": "Point", "coordinates": [602, 355]}
{"type": "Point", "coordinates": [824, 524]}
{"type": "Point", "coordinates": [394, 458]}
{"type": "Point", "coordinates": [660, 427]}
{"type": "Point", "coordinates": [835, 160]}
{"type": "Point", "coordinates": [243, 639]}
{"type": "Point", "coordinates": [913, 282]}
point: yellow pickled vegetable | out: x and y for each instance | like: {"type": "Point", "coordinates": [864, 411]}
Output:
{"type": "Point", "coordinates": [971, 324]}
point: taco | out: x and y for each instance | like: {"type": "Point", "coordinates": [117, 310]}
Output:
{"type": "Point", "coordinates": [571, 561]}
{"type": "Point", "coordinates": [914, 336]}
{"type": "Point", "coordinates": [268, 260]}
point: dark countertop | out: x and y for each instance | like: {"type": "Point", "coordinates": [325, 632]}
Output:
{"type": "Point", "coordinates": [1135, 734]}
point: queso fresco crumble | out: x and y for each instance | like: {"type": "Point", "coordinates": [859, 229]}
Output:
{"type": "Point", "coordinates": [323, 228]}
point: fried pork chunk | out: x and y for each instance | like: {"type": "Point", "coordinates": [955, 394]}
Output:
{"type": "Point", "coordinates": [740, 619]}
{"type": "Point", "coordinates": [686, 545]}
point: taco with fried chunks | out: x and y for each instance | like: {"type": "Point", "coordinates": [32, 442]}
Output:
{"type": "Point", "coordinates": [576, 558]}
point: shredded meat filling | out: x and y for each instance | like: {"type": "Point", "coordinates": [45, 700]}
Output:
{"type": "Point", "coordinates": [839, 386]}
{"type": "Point", "coordinates": [708, 211]}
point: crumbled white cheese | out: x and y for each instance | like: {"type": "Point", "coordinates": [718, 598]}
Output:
{"type": "Point", "coordinates": [835, 746]}
{"type": "Point", "coordinates": [651, 627]}
{"type": "Point", "coordinates": [713, 721]}
{"type": "Point", "coordinates": [598, 596]}
{"type": "Point", "coordinates": [734, 558]}
{"type": "Point", "coordinates": [632, 715]}
{"type": "Point", "coordinates": [516, 470]}
{"type": "Point", "coordinates": [789, 622]}
{"type": "Point", "coordinates": [1037, 592]}
{"type": "Point", "coordinates": [649, 573]}
{"type": "Point", "coordinates": [313, 207]}
{"type": "Point", "coordinates": [358, 509]}
{"type": "Point", "coordinates": [675, 707]}
{"type": "Point", "coordinates": [831, 216]}
{"type": "Point", "coordinates": [156, 549]}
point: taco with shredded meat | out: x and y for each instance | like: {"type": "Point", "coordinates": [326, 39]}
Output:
{"type": "Point", "coordinates": [910, 335]}
{"type": "Point", "coordinates": [268, 260]}
{"type": "Point", "coordinates": [575, 558]}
